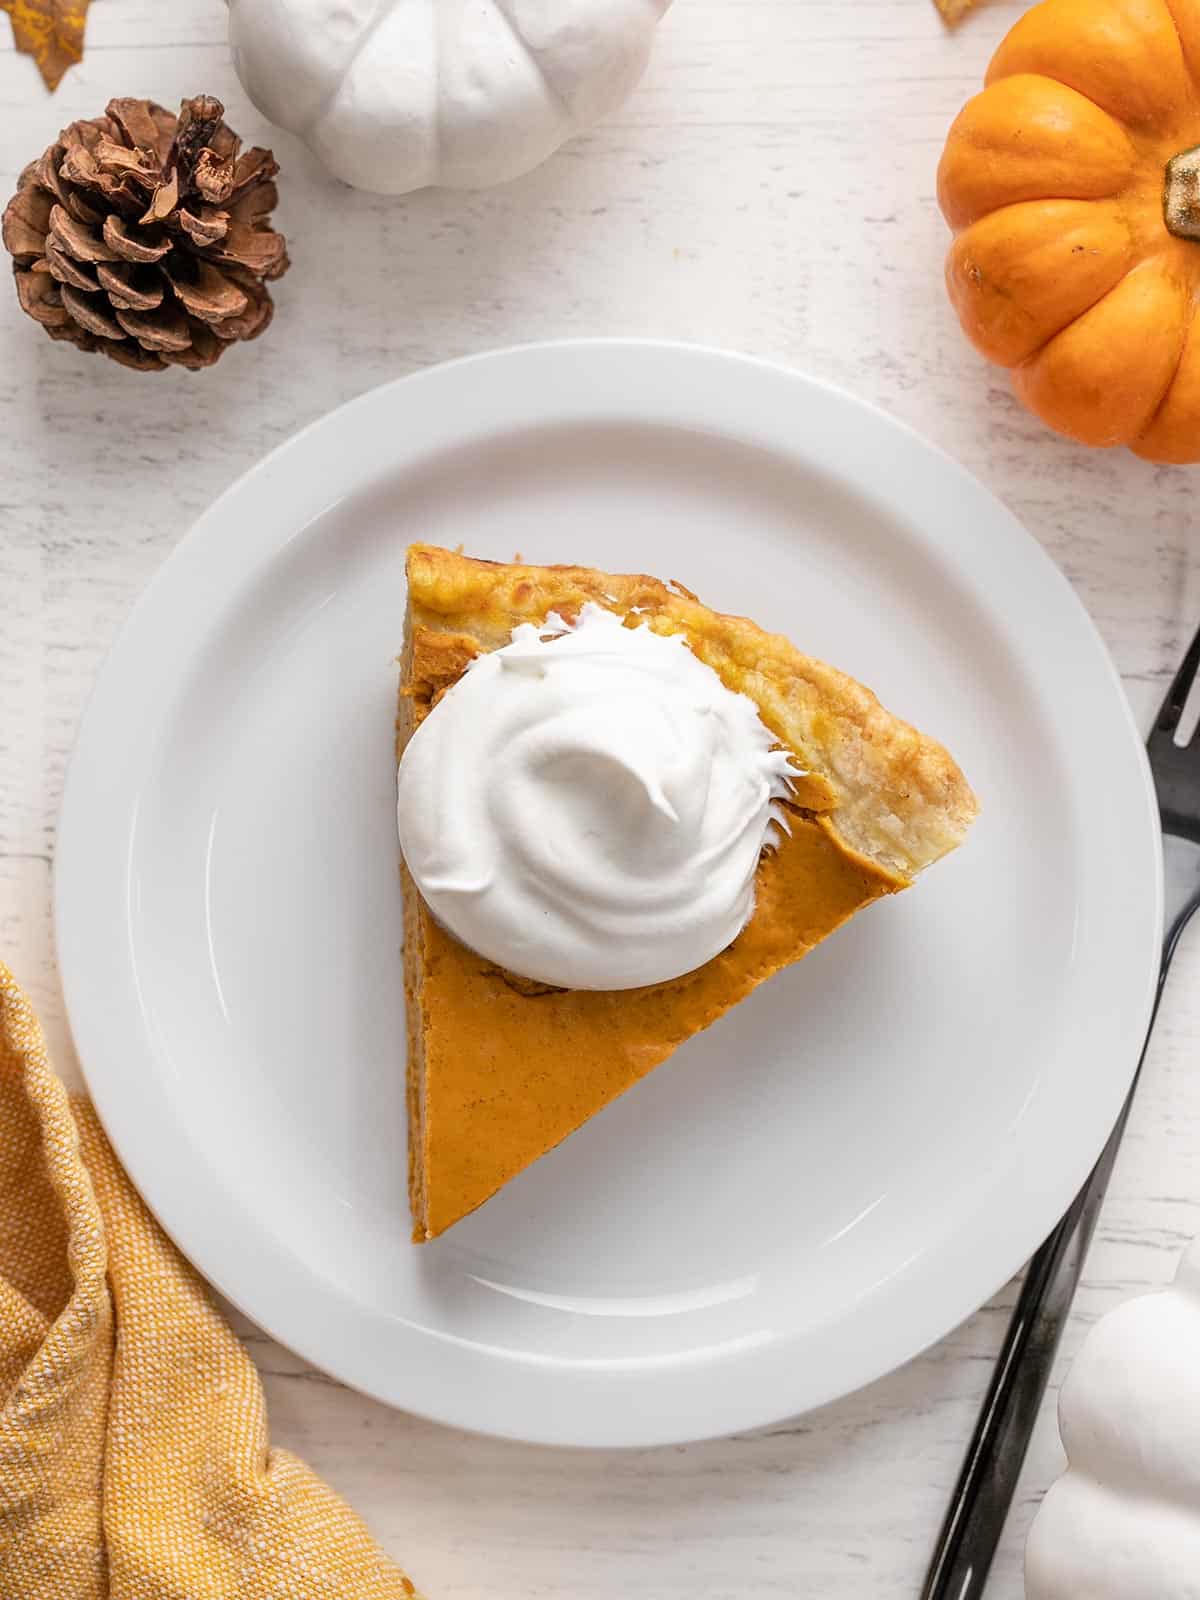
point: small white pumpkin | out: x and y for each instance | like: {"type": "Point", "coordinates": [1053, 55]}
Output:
{"type": "Point", "coordinates": [1123, 1523]}
{"type": "Point", "coordinates": [393, 95]}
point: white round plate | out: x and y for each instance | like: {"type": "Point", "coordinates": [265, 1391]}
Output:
{"type": "Point", "coordinates": [806, 1195]}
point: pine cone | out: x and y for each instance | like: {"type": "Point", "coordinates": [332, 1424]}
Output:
{"type": "Point", "coordinates": [148, 236]}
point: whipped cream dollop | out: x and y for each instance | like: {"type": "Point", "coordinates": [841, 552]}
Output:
{"type": "Point", "coordinates": [586, 806]}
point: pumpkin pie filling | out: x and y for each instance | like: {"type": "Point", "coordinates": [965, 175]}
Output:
{"type": "Point", "coordinates": [502, 1069]}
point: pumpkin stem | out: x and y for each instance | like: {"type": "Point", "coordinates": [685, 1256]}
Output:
{"type": "Point", "coordinates": [1181, 194]}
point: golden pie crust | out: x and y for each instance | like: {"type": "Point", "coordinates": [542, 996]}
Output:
{"type": "Point", "coordinates": [501, 1070]}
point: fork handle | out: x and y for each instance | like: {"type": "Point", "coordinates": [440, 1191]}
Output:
{"type": "Point", "coordinates": [971, 1532]}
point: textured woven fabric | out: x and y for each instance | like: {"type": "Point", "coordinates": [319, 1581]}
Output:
{"type": "Point", "coordinates": [134, 1462]}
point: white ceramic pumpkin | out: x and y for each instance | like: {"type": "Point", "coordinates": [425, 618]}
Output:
{"type": "Point", "coordinates": [392, 95]}
{"type": "Point", "coordinates": [1123, 1523]}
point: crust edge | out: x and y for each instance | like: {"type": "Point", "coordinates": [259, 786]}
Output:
{"type": "Point", "coordinates": [889, 792]}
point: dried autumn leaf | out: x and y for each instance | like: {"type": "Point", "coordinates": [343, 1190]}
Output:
{"type": "Point", "coordinates": [51, 31]}
{"type": "Point", "coordinates": [954, 10]}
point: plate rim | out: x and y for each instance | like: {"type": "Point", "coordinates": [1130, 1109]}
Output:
{"type": "Point", "coordinates": [313, 1331]}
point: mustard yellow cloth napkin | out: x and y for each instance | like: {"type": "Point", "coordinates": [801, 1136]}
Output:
{"type": "Point", "coordinates": [134, 1462]}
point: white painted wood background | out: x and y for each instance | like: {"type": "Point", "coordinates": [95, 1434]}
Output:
{"type": "Point", "coordinates": [768, 188]}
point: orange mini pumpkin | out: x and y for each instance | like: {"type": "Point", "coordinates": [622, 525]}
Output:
{"type": "Point", "coordinates": [1073, 186]}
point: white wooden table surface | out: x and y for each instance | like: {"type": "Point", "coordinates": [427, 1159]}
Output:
{"type": "Point", "coordinates": [769, 188]}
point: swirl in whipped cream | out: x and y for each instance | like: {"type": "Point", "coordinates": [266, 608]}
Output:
{"type": "Point", "coordinates": [586, 807]}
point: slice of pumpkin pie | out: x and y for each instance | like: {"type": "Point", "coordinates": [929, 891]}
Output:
{"type": "Point", "coordinates": [619, 811]}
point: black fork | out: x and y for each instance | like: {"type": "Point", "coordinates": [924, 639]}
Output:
{"type": "Point", "coordinates": [984, 1492]}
